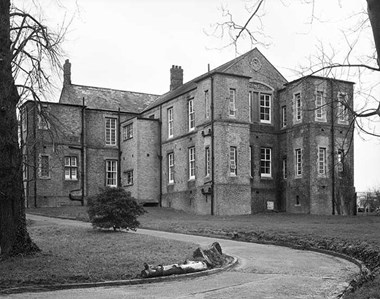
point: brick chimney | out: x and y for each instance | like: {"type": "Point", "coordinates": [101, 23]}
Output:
{"type": "Point", "coordinates": [67, 73]}
{"type": "Point", "coordinates": [176, 77]}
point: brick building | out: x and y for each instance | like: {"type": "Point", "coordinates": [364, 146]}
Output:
{"type": "Point", "coordinates": [238, 139]}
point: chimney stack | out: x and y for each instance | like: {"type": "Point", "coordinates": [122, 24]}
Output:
{"type": "Point", "coordinates": [176, 77]}
{"type": "Point", "coordinates": [67, 73]}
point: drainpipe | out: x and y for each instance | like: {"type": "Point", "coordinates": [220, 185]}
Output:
{"type": "Point", "coordinates": [160, 153]}
{"type": "Point", "coordinates": [332, 148]}
{"type": "Point", "coordinates": [82, 150]}
{"type": "Point", "coordinates": [118, 150]}
{"type": "Point", "coordinates": [212, 149]}
{"type": "Point", "coordinates": [35, 153]}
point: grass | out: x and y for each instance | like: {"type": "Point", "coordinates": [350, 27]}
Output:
{"type": "Point", "coordinates": [356, 236]}
{"type": "Point", "coordinates": [85, 255]}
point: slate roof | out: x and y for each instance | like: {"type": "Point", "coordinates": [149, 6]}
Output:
{"type": "Point", "coordinates": [106, 98]}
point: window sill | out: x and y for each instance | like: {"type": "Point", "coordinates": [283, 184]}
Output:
{"type": "Point", "coordinates": [44, 178]}
{"type": "Point", "coordinates": [265, 122]}
{"type": "Point", "coordinates": [266, 177]}
{"type": "Point", "coordinates": [71, 180]}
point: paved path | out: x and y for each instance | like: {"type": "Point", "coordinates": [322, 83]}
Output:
{"type": "Point", "coordinates": [264, 271]}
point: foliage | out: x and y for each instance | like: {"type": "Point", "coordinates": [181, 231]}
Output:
{"type": "Point", "coordinates": [114, 207]}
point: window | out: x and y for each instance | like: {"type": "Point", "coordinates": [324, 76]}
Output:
{"type": "Point", "coordinates": [265, 108]}
{"type": "Point", "coordinates": [42, 122]}
{"type": "Point", "coordinates": [24, 123]}
{"type": "Point", "coordinates": [250, 161]}
{"type": "Point", "coordinates": [232, 103]}
{"type": "Point", "coordinates": [111, 173]}
{"type": "Point", "coordinates": [192, 163]}
{"type": "Point", "coordinates": [207, 104]}
{"type": "Point", "coordinates": [283, 117]}
{"type": "Point", "coordinates": [207, 161]}
{"type": "Point", "coordinates": [129, 177]}
{"type": "Point", "coordinates": [110, 131]}
{"type": "Point", "coordinates": [320, 109]}
{"type": "Point", "coordinates": [190, 107]}
{"type": "Point", "coordinates": [342, 108]}
{"type": "Point", "coordinates": [233, 161]}
{"type": "Point", "coordinates": [265, 162]}
{"type": "Point", "coordinates": [171, 168]}
{"type": "Point", "coordinates": [284, 168]}
{"type": "Point", "coordinates": [322, 161]}
{"type": "Point", "coordinates": [128, 131]}
{"type": "Point", "coordinates": [340, 160]}
{"type": "Point", "coordinates": [298, 160]}
{"type": "Point", "coordinates": [71, 168]}
{"type": "Point", "coordinates": [298, 200]}
{"type": "Point", "coordinates": [298, 106]}
{"type": "Point", "coordinates": [25, 167]}
{"type": "Point", "coordinates": [250, 106]}
{"type": "Point", "coordinates": [170, 122]}
{"type": "Point", "coordinates": [44, 167]}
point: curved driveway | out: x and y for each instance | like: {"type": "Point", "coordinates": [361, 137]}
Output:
{"type": "Point", "coordinates": [264, 271]}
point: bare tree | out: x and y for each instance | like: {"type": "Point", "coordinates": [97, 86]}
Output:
{"type": "Point", "coordinates": [252, 28]}
{"type": "Point", "coordinates": [29, 53]}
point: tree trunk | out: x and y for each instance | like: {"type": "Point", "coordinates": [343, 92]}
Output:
{"type": "Point", "coordinates": [373, 8]}
{"type": "Point", "coordinates": [14, 238]}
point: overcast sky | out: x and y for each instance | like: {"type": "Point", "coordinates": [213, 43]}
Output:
{"type": "Point", "coordinates": [131, 45]}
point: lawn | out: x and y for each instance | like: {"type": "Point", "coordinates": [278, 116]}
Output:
{"type": "Point", "coordinates": [356, 236]}
{"type": "Point", "coordinates": [85, 255]}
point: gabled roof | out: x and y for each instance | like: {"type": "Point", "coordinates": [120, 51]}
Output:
{"type": "Point", "coordinates": [106, 98]}
{"type": "Point", "coordinates": [223, 69]}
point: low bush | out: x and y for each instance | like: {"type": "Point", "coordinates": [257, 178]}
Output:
{"type": "Point", "coordinates": [114, 208]}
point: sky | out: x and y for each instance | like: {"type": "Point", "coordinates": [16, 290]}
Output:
{"type": "Point", "coordinates": [132, 44]}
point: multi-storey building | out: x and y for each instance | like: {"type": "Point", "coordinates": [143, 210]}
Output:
{"type": "Point", "coordinates": [238, 139]}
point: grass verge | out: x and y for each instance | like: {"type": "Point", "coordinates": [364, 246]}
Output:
{"type": "Point", "coordinates": [72, 255]}
{"type": "Point", "coordinates": [356, 236]}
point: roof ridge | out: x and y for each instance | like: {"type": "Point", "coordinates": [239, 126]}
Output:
{"type": "Point", "coordinates": [114, 89]}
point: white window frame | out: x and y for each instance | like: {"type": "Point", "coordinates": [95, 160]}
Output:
{"type": "Point", "coordinates": [207, 104]}
{"type": "Point", "coordinates": [265, 108]}
{"type": "Point", "coordinates": [42, 122]}
{"type": "Point", "coordinates": [320, 106]}
{"type": "Point", "coordinates": [191, 114]}
{"type": "Point", "coordinates": [297, 107]}
{"type": "Point", "coordinates": [111, 173]}
{"type": "Point", "coordinates": [284, 118]}
{"type": "Point", "coordinates": [44, 173]}
{"type": "Point", "coordinates": [340, 159]}
{"type": "Point", "coordinates": [298, 162]}
{"type": "Point", "coordinates": [342, 110]}
{"type": "Point", "coordinates": [128, 131]}
{"type": "Point", "coordinates": [71, 168]}
{"type": "Point", "coordinates": [170, 122]}
{"type": "Point", "coordinates": [191, 159]}
{"type": "Point", "coordinates": [233, 160]}
{"type": "Point", "coordinates": [110, 126]}
{"type": "Point", "coordinates": [171, 168]}
{"type": "Point", "coordinates": [322, 161]}
{"type": "Point", "coordinates": [285, 168]}
{"type": "Point", "coordinates": [232, 103]}
{"type": "Point", "coordinates": [129, 177]}
{"type": "Point", "coordinates": [207, 161]}
{"type": "Point", "coordinates": [265, 162]}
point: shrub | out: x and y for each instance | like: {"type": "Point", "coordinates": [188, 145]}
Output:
{"type": "Point", "coordinates": [114, 207]}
